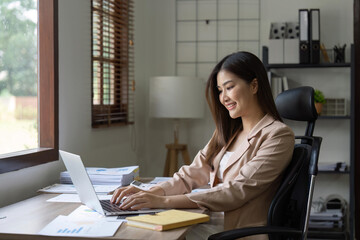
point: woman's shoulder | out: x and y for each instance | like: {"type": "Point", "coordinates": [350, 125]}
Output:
{"type": "Point", "coordinates": [269, 126]}
{"type": "Point", "coordinates": [280, 127]}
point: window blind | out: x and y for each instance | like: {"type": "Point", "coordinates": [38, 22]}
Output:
{"type": "Point", "coordinates": [113, 83]}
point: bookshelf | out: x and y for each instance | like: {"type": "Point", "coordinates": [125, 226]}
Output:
{"type": "Point", "coordinates": [348, 231]}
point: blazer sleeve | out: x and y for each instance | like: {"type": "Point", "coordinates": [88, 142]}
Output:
{"type": "Point", "coordinates": [189, 177]}
{"type": "Point", "coordinates": [254, 177]}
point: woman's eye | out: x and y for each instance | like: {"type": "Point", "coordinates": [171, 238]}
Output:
{"type": "Point", "coordinates": [229, 88]}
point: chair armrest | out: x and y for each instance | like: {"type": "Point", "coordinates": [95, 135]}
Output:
{"type": "Point", "coordinates": [243, 232]}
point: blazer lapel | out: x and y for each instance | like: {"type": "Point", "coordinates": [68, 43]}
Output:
{"type": "Point", "coordinates": [265, 121]}
{"type": "Point", "coordinates": [238, 153]}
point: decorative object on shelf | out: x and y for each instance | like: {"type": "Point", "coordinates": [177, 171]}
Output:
{"type": "Point", "coordinates": [339, 53]}
{"type": "Point", "coordinates": [335, 107]}
{"type": "Point", "coordinates": [319, 100]}
{"type": "Point", "coordinates": [176, 98]}
{"type": "Point", "coordinates": [327, 55]}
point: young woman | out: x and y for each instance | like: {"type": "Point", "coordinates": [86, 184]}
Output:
{"type": "Point", "coordinates": [243, 161]}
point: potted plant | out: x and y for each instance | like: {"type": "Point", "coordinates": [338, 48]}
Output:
{"type": "Point", "coordinates": [319, 100]}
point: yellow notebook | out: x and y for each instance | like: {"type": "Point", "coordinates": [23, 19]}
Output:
{"type": "Point", "coordinates": [167, 220]}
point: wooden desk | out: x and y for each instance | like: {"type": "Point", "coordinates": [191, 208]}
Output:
{"type": "Point", "coordinates": [26, 218]}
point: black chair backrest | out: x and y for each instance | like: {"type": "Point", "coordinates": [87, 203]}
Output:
{"type": "Point", "coordinates": [288, 207]}
{"type": "Point", "coordinates": [298, 104]}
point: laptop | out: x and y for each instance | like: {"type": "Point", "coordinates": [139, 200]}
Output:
{"type": "Point", "coordinates": [86, 191]}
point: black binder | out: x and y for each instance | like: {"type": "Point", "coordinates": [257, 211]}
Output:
{"type": "Point", "coordinates": [314, 35]}
{"type": "Point", "coordinates": [304, 39]}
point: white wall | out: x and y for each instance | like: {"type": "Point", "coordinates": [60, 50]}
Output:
{"type": "Point", "coordinates": [154, 56]}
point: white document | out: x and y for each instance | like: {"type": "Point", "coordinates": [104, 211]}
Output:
{"type": "Point", "coordinates": [84, 212]}
{"type": "Point", "coordinates": [68, 226]}
{"type": "Point", "coordinates": [69, 188]}
{"type": "Point", "coordinates": [74, 198]}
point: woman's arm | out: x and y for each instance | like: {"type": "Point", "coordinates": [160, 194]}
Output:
{"type": "Point", "coordinates": [187, 178]}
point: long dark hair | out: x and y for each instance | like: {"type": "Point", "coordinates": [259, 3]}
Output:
{"type": "Point", "coordinates": [246, 66]}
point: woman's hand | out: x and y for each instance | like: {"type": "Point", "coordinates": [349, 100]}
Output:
{"type": "Point", "coordinates": [120, 193]}
{"type": "Point", "coordinates": [143, 199]}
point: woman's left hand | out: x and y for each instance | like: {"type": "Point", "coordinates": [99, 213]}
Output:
{"type": "Point", "coordinates": [143, 200]}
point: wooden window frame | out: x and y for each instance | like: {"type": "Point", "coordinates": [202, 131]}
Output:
{"type": "Point", "coordinates": [47, 95]}
{"type": "Point", "coordinates": [114, 63]}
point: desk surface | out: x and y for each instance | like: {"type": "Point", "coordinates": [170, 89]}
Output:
{"type": "Point", "coordinates": [26, 218]}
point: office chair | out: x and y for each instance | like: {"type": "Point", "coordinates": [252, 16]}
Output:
{"type": "Point", "coordinates": [288, 215]}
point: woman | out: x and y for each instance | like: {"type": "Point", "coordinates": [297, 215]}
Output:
{"type": "Point", "coordinates": [243, 161]}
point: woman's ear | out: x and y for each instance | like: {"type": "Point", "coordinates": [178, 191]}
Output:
{"type": "Point", "coordinates": [254, 85]}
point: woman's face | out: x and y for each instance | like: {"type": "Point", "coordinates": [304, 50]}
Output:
{"type": "Point", "coordinates": [236, 94]}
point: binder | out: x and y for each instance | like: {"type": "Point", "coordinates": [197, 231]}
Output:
{"type": "Point", "coordinates": [314, 35]}
{"type": "Point", "coordinates": [304, 40]}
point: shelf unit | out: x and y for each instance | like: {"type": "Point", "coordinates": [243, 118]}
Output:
{"type": "Point", "coordinates": [350, 172]}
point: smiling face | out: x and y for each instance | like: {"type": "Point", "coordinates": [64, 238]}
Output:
{"type": "Point", "coordinates": [238, 97]}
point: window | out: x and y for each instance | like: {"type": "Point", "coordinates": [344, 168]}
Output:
{"type": "Point", "coordinates": [112, 63]}
{"type": "Point", "coordinates": [18, 76]}
{"type": "Point", "coordinates": [47, 96]}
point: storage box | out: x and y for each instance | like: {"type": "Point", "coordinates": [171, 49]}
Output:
{"type": "Point", "coordinates": [276, 51]}
{"type": "Point", "coordinates": [335, 107]}
{"type": "Point", "coordinates": [291, 50]}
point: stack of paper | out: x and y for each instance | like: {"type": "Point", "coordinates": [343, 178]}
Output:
{"type": "Point", "coordinates": [332, 219]}
{"type": "Point", "coordinates": [107, 176]}
{"type": "Point", "coordinates": [337, 167]}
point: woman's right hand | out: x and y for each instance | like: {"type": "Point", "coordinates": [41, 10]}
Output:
{"type": "Point", "coordinates": [120, 193]}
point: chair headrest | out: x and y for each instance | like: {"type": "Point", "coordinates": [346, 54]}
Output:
{"type": "Point", "coordinates": [297, 104]}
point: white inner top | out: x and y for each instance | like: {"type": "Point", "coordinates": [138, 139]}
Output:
{"type": "Point", "coordinates": [223, 163]}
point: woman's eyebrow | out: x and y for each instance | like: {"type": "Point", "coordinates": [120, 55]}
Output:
{"type": "Point", "coordinates": [225, 83]}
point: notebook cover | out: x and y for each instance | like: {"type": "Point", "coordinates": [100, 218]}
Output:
{"type": "Point", "coordinates": [166, 220]}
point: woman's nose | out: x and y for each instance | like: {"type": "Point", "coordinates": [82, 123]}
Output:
{"type": "Point", "coordinates": [224, 97]}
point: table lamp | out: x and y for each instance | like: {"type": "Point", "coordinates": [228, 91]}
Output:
{"type": "Point", "coordinates": [176, 98]}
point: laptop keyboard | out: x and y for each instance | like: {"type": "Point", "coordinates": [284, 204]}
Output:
{"type": "Point", "coordinates": [109, 207]}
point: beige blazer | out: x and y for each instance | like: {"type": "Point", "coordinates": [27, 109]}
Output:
{"type": "Point", "coordinates": [251, 177]}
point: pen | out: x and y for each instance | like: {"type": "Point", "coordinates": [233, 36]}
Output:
{"type": "Point", "coordinates": [111, 192]}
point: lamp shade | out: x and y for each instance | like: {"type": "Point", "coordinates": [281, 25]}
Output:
{"type": "Point", "coordinates": [176, 97]}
